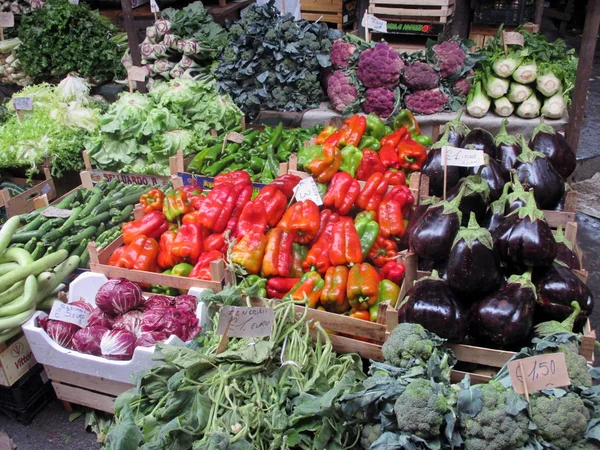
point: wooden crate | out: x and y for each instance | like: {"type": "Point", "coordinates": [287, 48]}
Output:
{"type": "Point", "coordinates": [96, 175]}
{"type": "Point", "coordinates": [339, 12]}
{"type": "Point", "coordinates": [26, 202]}
{"type": "Point", "coordinates": [423, 11]}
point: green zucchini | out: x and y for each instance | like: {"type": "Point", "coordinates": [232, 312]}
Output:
{"type": "Point", "coordinates": [26, 236]}
{"type": "Point", "coordinates": [40, 249]}
{"type": "Point", "coordinates": [87, 233]}
{"type": "Point", "coordinates": [65, 203]}
{"type": "Point", "coordinates": [80, 248]}
{"type": "Point", "coordinates": [34, 224]}
{"type": "Point", "coordinates": [51, 224]}
{"type": "Point", "coordinates": [84, 260]}
{"type": "Point", "coordinates": [97, 220]}
{"type": "Point", "coordinates": [92, 203]}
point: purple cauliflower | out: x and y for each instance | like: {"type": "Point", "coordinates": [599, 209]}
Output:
{"type": "Point", "coordinates": [426, 102]}
{"type": "Point", "coordinates": [379, 101]}
{"type": "Point", "coordinates": [340, 54]}
{"type": "Point", "coordinates": [380, 67]}
{"type": "Point", "coordinates": [420, 76]}
{"type": "Point", "coordinates": [462, 85]}
{"type": "Point", "coordinates": [450, 58]}
{"type": "Point", "coordinates": [340, 90]}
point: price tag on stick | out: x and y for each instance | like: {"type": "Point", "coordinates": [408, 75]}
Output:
{"type": "Point", "coordinates": [7, 20]}
{"type": "Point", "coordinates": [307, 189]}
{"type": "Point", "coordinates": [51, 211]}
{"type": "Point", "coordinates": [538, 373]}
{"type": "Point", "coordinates": [373, 23]}
{"type": "Point", "coordinates": [243, 322]}
{"type": "Point", "coordinates": [136, 73]}
{"type": "Point", "coordinates": [66, 312]}
{"type": "Point", "coordinates": [461, 157]}
{"type": "Point", "coordinates": [154, 8]}
{"type": "Point", "coordinates": [512, 38]}
{"type": "Point", "coordinates": [23, 103]}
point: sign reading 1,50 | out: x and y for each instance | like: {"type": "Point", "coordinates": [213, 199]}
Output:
{"type": "Point", "coordinates": [539, 369]}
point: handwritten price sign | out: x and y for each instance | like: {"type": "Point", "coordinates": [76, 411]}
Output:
{"type": "Point", "coordinates": [69, 313]}
{"type": "Point", "coordinates": [539, 372]}
{"type": "Point", "coordinates": [307, 189]}
{"type": "Point", "coordinates": [246, 322]}
{"type": "Point", "coordinates": [454, 156]}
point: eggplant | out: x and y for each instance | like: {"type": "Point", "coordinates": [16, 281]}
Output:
{"type": "Point", "coordinates": [518, 197]}
{"type": "Point", "coordinates": [535, 171]}
{"type": "Point", "coordinates": [433, 168]}
{"type": "Point", "coordinates": [494, 175]}
{"type": "Point", "coordinates": [431, 303]}
{"type": "Point", "coordinates": [435, 231]}
{"type": "Point", "coordinates": [557, 286]}
{"type": "Point", "coordinates": [545, 140]}
{"type": "Point", "coordinates": [524, 239]}
{"type": "Point", "coordinates": [454, 133]}
{"type": "Point", "coordinates": [508, 147]}
{"type": "Point", "coordinates": [473, 265]}
{"type": "Point", "coordinates": [475, 198]}
{"type": "Point", "coordinates": [565, 251]}
{"type": "Point", "coordinates": [413, 220]}
{"type": "Point", "coordinates": [497, 211]}
{"type": "Point", "coordinates": [505, 317]}
{"type": "Point", "coordinates": [480, 139]}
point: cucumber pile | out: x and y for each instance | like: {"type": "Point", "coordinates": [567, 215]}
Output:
{"type": "Point", "coordinates": [25, 283]}
{"type": "Point", "coordinates": [97, 215]}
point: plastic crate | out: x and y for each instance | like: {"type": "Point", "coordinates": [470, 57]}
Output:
{"type": "Point", "coordinates": [19, 395]}
{"type": "Point", "coordinates": [507, 12]}
{"type": "Point", "coordinates": [36, 404]}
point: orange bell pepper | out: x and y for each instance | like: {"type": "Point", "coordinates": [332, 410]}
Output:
{"type": "Point", "coordinates": [325, 166]}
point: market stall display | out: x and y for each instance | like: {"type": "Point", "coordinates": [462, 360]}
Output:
{"type": "Point", "coordinates": [11, 69]}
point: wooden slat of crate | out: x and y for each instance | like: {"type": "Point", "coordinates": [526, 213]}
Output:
{"type": "Point", "coordinates": [438, 14]}
{"type": "Point", "coordinates": [324, 17]}
{"type": "Point", "coordinates": [95, 400]}
{"type": "Point", "coordinates": [98, 384]}
{"type": "Point", "coordinates": [308, 6]}
{"type": "Point", "coordinates": [26, 202]}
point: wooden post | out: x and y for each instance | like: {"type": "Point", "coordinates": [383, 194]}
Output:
{"type": "Point", "coordinates": [584, 72]}
{"type": "Point", "coordinates": [132, 38]}
{"type": "Point", "coordinates": [539, 12]}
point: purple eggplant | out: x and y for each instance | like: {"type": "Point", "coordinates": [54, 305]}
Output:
{"type": "Point", "coordinates": [524, 239]}
{"type": "Point", "coordinates": [557, 286]}
{"type": "Point", "coordinates": [454, 132]}
{"type": "Point", "coordinates": [480, 139]}
{"type": "Point", "coordinates": [431, 303]}
{"type": "Point", "coordinates": [475, 198]}
{"type": "Point", "coordinates": [433, 168]}
{"type": "Point", "coordinates": [536, 172]}
{"type": "Point", "coordinates": [545, 140]}
{"type": "Point", "coordinates": [494, 175]}
{"type": "Point", "coordinates": [518, 196]}
{"type": "Point", "coordinates": [413, 220]}
{"type": "Point", "coordinates": [473, 265]}
{"type": "Point", "coordinates": [497, 211]}
{"type": "Point", "coordinates": [505, 317]}
{"type": "Point", "coordinates": [565, 251]}
{"type": "Point", "coordinates": [508, 147]}
{"type": "Point", "coordinates": [435, 231]}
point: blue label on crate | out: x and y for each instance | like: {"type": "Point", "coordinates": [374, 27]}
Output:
{"type": "Point", "coordinates": [208, 183]}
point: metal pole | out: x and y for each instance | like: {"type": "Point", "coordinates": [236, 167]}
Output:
{"type": "Point", "coordinates": [584, 72]}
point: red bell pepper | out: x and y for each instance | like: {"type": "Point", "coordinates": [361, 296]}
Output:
{"type": "Point", "coordinates": [383, 252]}
{"type": "Point", "coordinates": [403, 196]}
{"type": "Point", "coordinates": [389, 157]}
{"type": "Point", "coordinates": [361, 314]}
{"type": "Point", "coordinates": [326, 165]}
{"type": "Point", "coordinates": [215, 241]}
{"type": "Point", "coordinates": [393, 271]}
{"type": "Point", "coordinates": [277, 260]}
{"type": "Point", "coordinates": [175, 205]}
{"type": "Point", "coordinates": [275, 203]}
{"type": "Point", "coordinates": [249, 252]}
{"type": "Point", "coordinates": [325, 216]}
{"type": "Point", "coordinates": [152, 201]}
{"type": "Point", "coordinates": [140, 254]}
{"type": "Point", "coordinates": [353, 130]}
{"type": "Point", "coordinates": [195, 200]}
{"type": "Point", "coordinates": [191, 217]}
{"type": "Point", "coordinates": [342, 193]}
{"type": "Point", "coordinates": [235, 177]}
{"type": "Point", "coordinates": [308, 288]}
{"type": "Point", "coordinates": [302, 220]}
{"type": "Point", "coordinates": [363, 286]}
{"type": "Point", "coordinates": [116, 256]}
{"type": "Point", "coordinates": [412, 155]}
{"type": "Point", "coordinates": [369, 164]}
{"type": "Point", "coordinates": [333, 298]}
{"type": "Point", "coordinates": [218, 207]}
{"type": "Point", "coordinates": [345, 243]}
{"type": "Point", "coordinates": [391, 221]}
{"type": "Point", "coordinates": [190, 189]}
{"type": "Point", "coordinates": [201, 270]}
{"type": "Point", "coordinates": [317, 257]}
{"type": "Point", "coordinates": [253, 218]}
{"type": "Point", "coordinates": [323, 135]}
{"type": "Point", "coordinates": [395, 177]}
{"type": "Point", "coordinates": [166, 259]}
{"type": "Point", "coordinates": [278, 287]}
{"type": "Point", "coordinates": [373, 193]}
{"type": "Point", "coordinates": [152, 225]}
{"type": "Point", "coordinates": [286, 184]}
{"type": "Point", "coordinates": [393, 139]}
{"type": "Point", "coordinates": [188, 242]}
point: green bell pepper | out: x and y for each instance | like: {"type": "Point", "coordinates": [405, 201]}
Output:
{"type": "Point", "coordinates": [375, 126]}
{"type": "Point", "coordinates": [423, 140]}
{"type": "Point", "coordinates": [388, 291]}
{"type": "Point", "coordinates": [254, 286]}
{"type": "Point", "coordinates": [351, 157]}
{"type": "Point", "coordinates": [182, 269]}
{"type": "Point", "coordinates": [406, 119]}
{"type": "Point", "coordinates": [322, 187]}
{"type": "Point", "coordinates": [369, 142]}
{"type": "Point", "coordinates": [388, 130]}
{"type": "Point", "coordinates": [307, 154]}
{"type": "Point", "coordinates": [367, 230]}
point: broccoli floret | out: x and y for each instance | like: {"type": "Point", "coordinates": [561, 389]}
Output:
{"type": "Point", "coordinates": [340, 54]}
{"type": "Point", "coordinates": [426, 102]}
{"type": "Point", "coordinates": [229, 55]}
{"type": "Point", "coordinates": [271, 35]}
{"type": "Point", "coordinates": [236, 31]}
{"type": "Point", "coordinates": [420, 409]}
{"type": "Point", "coordinates": [380, 67]}
{"type": "Point", "coordinates": [325, 45]}
{"type": "Point", "coordinates": [379, 101]}
{"type": "Point", "coordinates": [420, 76]}
{"type": "Point", "coordinates": [577, 367]}
{"type": "Point", "coordinates": [369, 434]}
{"type": "Point", "coordinates": [450, 58]}
{"type": "Point", "coordinates": [560, 421]}
{"type": "Point", "coordinates": [493, 428]}
{"type": "Point", "coordinates": [340, 90]}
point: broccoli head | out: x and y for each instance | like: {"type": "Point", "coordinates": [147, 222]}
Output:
{"type": "Point", "coordinates": [369, 434]}
{"type": "Point", "coordinates": [450, 58]}
{"type": "Point", "coordinates": [493, 428]}
{"type": "Point", "coordinates": [379, 101]}
{"type": "Point", "coordinates": [426, 102]}
{"type": "Point", "coordinates": [420, 76]}
{"type": "Point", "coordinates": [577, 367]}
{"type": "Point", "coordinates": [561, 421]}
{"type": "Point", "coordinates": [340, 90]}
{"type": "Point", "coordinates": [340, 53]}
{"type": "Point", "coordinates": [380, 67]}
{"type": "Point", "coordinates": [420, 409]}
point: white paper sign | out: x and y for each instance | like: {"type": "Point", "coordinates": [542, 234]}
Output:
{"type": "Point", "coordinates": [74, 2]}
{"type": "Point", "coordinates": [154, 6]}
{"type": "Point", "coordinates": [7, 19]}
{"type": "Point", "coordinates": [540, 372]}
{"type": "Point", "coordinates": [23, 103]}
{"type": "Point", "coordinates": [246, 322]}
{"type": "Point", "coordinates": [51, 211]}
{"type": "Point", "coordinates": [136, 73]}
{"type": "Point", "coordinates": [513, 38]}
{"type": "Point", "coordinates": [65, 312]}
{"type": "Point", "coordinates": [375, 24]}
{"type": "Point", "coordinates": [462, 157]}
{"type": "Point", "coordinates": [234, 136]}
{"type": "Point", "coordinates": [307, 189]}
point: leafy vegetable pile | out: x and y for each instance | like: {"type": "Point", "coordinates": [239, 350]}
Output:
{"type": "Point", "coordinates": [139, 132]}
{"type": "Point", "coordinates": [184, 43]}
{"type": "Point", "coordinates": [61, 38]}
{"type": "Point", "coordinates": [273, 62]}
{"type": "Point", "coordinates": [10, 67]}
{"type": "Point", "coordinates": [378, 79]}
{"type": "Point", "coordinates": [56, 128]}
{"type": "Point", "coordinates": [279, 392]}
{"type": "Point", "coordinates": [529, 81]}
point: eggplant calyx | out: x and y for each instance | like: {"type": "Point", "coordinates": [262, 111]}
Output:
{"type": "Point", "coordinates": [474, 233]}
{"type": "Point", "coordinates": [435, 276]}
{"type": "Point", "coordinates": [499, 206]}
{"type": "Point", "coordinates": [545, 329]}
{"type": "Point", "coordinates": [525, 282]}
{"type": "Point", "coordinates": [452, 206]}
{"type": "Point", "coordinates": [527, 155]}
{"type": "Point", "coordinates": [457, 125]}
{"type": "Point", "coordinates": [530, 209]}
{"type": "Point", "coordinates": [560, 238]}
{"type": "Point", "coordinates": [442, 142]}
{"type": "Point", "coordinates": [542, 128]}
{"type": "Point", "coordinates": [475, 184]}
{"type": "Point", "coordinates": [503, 137]}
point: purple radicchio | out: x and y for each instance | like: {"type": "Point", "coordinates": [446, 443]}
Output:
{"type": "Point", "coordinates": [99, 318]}
{"type": "Point", "coordinates": [87, 340]}
{"type": "Point", "coordinates": [119, 296]}
{"type": "Point", "coordinates": [118, 344]}
{"type": "Point", "coordinates": [130, 321]}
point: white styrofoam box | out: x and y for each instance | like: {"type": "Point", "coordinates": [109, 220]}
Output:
{"type": "Point", "coordinates": [48, 352]}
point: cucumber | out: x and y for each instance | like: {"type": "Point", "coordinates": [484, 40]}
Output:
{"type": "Point", "coordinates": [26, 236]}
{"type": "Point", "coordinates": [22, 302]}
{"type": "Point", "coordinates": [61, 272]}
{"type": "Point", "coordinates": [8, 334]}
{"type": "Point", "coordinates": [8, 323]}
{"type": "Point", "coordinates": [19, 255]}
{"type": "Point", "coordinates": [34, 268]}
{"type": "Point", "coordinates": [13, 292]}
{"type": "Point", "coordinates": [7, 232]}
{"type": "Point", "coordinates": [7, 267]}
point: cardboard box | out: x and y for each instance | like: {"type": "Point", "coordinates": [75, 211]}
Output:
{"type": "Point", "coordinates": [15, 361]}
